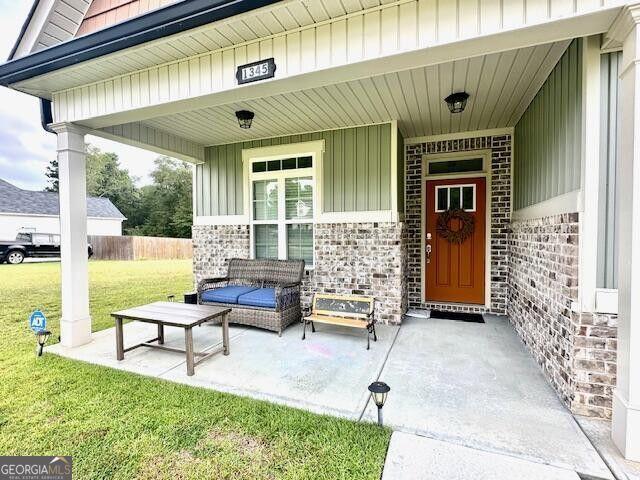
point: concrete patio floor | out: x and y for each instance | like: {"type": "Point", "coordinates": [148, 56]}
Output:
{"type": "Point", "coordinates": [474, 384]}
{"type": "Point", "coordinates": [467, 384]}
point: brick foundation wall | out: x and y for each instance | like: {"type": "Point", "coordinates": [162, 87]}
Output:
{"type": "Point", "coordinates": [543, 281]}
{"type": "Point", "coordinates": [594, 350]}
{"type": "Point", "coordinates": [576, 351]}
{"type": "Point", "coordinates": [362, 259]}
{"type": "Point", "coordinates": [214, 245]}
{"type": "Point", "coordinates": [351, 258]}
{"type": "Point", "coordinates": [500, 147]}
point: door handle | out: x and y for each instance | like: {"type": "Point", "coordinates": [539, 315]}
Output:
{"type": "Point", "coordinates": [428, 253]}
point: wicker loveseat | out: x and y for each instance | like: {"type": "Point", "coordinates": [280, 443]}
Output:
{"type": "Point", "coordinates": [261, 293]}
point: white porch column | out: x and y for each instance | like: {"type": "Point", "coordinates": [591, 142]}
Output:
{"type": "Point", "coordinates": [75, 324]}
{"type": "Point", "coordinates": [625, 425]}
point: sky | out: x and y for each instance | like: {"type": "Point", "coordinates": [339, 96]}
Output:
{"type": "Point", "coordinates": [25, 148]}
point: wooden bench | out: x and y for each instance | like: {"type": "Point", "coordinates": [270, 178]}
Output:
{"type": "Point", "coordinates": [343, 310]}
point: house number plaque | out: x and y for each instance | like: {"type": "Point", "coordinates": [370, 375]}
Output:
{"type": "Point", "coordinates": [252, 72]}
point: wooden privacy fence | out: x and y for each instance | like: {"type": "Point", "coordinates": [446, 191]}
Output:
{"type": "Point", "coordinates": [139, 248]}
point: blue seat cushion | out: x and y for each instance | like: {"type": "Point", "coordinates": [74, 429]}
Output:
{"type": "Point", "coordinates": [261, 297]}
{"type": "Point", "coordinates": [228, 294]}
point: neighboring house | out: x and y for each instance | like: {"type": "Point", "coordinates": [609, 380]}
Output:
{"type": "Point", "coordinates": [354, 155]}
{"type": "Point", "coordinates": [40, 212]}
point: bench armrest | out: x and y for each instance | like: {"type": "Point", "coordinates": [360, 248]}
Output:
{"type": "Point", "coordinates": [371, 317]}
{"type": "Point", "coordinates": [287, 294]}
{"type": "Point", "coordinates": [209, 283]}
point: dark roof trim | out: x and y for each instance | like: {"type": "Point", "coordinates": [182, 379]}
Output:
{"type": "Point", "coordinates": [23, 29]}
{"type": "Point", "coordinates": [169, 20]}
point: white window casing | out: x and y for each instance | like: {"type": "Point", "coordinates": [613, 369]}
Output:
{"type": "Point", "coordinates": [279, 152]}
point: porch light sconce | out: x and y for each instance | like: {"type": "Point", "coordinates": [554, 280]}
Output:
{"type": "Point", "coordinates": [379, 392]}
{"type": "Point", "coordinates": [42, 336]}
{"type": "Point", "coordinates": [245, 117]}
{"type": "Point", "coordinates": [457, 102]}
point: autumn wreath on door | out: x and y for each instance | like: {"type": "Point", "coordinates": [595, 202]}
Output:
{"type": "Point", "coordinates": [459, 235]}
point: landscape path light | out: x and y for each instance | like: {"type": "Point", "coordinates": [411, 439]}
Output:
{"type": "Point", "coordinates": [379, 392]}
{"type": "Point", "coordinates": [42, 336]}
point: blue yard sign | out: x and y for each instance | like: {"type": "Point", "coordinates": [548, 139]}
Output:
{"type": "Point", "coordinates": [37, 321]}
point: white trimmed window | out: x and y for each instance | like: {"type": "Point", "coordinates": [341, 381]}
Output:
{"type": "Point", "coordinates": [282, 208]}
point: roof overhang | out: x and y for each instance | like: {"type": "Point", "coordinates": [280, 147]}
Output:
{"type": "Point", "coordinates": [23, 29]}
{"type": "Point", "coordinates": [154, 25]}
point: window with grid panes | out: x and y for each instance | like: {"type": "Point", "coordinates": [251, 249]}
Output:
{"type": "Point", "coordinates": [282, 209]}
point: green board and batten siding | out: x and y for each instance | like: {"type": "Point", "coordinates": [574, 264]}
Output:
{"type": "Point", "coordinates": [356, 171]}
{"type": "Point", "coordinates": [548, 136]}
{"type": "Point", "coordinates": [219, 181]}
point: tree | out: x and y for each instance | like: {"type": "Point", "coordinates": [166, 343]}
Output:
{"type": "Point", "coordinates": [162, 209]}
{"type": "Point", "coordinates": [105, 178]}
{"type": "Point", "coordinates": [167, 202]}
{"type": "Point", "coordinates": [52, 175]}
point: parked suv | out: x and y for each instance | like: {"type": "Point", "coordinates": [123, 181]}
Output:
{"type": "Point", "coordinates": [31, 244]}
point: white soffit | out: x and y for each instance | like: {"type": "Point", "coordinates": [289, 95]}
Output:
{"type": "Point", "coordinates": [53, 22]}
{"type": "Point", "coordinates": [437, 22]}
{"type": "Point", "coordinates": [501, 87]}
{"type": "Point", "coordinates": [260, 23]}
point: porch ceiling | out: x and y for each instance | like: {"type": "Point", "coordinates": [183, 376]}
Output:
{"type": "Point", "coordinates": [501, 86]}
{"type": "Point", "coordinates": [260, 23]}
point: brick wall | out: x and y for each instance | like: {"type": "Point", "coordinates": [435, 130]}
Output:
{"type": "Point", "coordinates": [594, 350]}
{"type": "Point", "coordinates": [214, 245]}
{"type": "Point", "coordinates": [543, 281]}
{"type": "Point", "coordinates": [362, 259]}
{"type": "Point", "coordinates": [351, 258]}
{"type": "Point", "coordinates": [576, 351]}
{"type": "Point", "coordinates": [500, 147]}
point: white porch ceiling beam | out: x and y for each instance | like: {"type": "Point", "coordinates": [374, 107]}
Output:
{"type": "Point", "coordinates": [139, 135]}
{"type": "Point", "coordinates": [307, 59]}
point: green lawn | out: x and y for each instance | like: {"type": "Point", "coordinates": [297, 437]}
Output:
{"type": "Point", "coordinates": [120, 425]}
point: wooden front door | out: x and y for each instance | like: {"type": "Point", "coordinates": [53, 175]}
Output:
{"type": "Point", "coordinates": [455, 272]}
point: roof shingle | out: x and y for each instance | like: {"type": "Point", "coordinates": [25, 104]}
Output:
{"type": "Point", "coordinates": [29, 202]}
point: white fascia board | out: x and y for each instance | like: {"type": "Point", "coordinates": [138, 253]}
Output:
{"type": "Point", "coordinates": [460, 135]}
{"type": "Point", "coordinates": [221, 220]}
{"type": "Point", "coordinates": [34, 29]}
{"type": "Point", "coordinates": [566, 203]}
{"type": "Point", "coordinates": [386, 216]}
{"type": "Point", "coordinates": [16, 214]}
{"type": "Point", "coordinates": [325, 217]}
{"type": "Point", "coordinates": [12, 214]}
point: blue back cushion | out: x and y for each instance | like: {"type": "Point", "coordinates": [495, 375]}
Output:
{"type": "Point", "coordinates": [227, 294]}
{"type": "Point", "coordinates": [261, 297]}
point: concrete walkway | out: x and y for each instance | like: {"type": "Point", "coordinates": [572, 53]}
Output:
{"type": "Point", "coordinates": [469, 385]}
{"type": "Point", "coordinates": [411, 457]}
{"type": "Point", "coordinates": [599, 432]}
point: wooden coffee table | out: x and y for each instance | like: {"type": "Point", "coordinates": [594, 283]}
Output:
{"type": "Point", "coordinates": [174, 314]}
